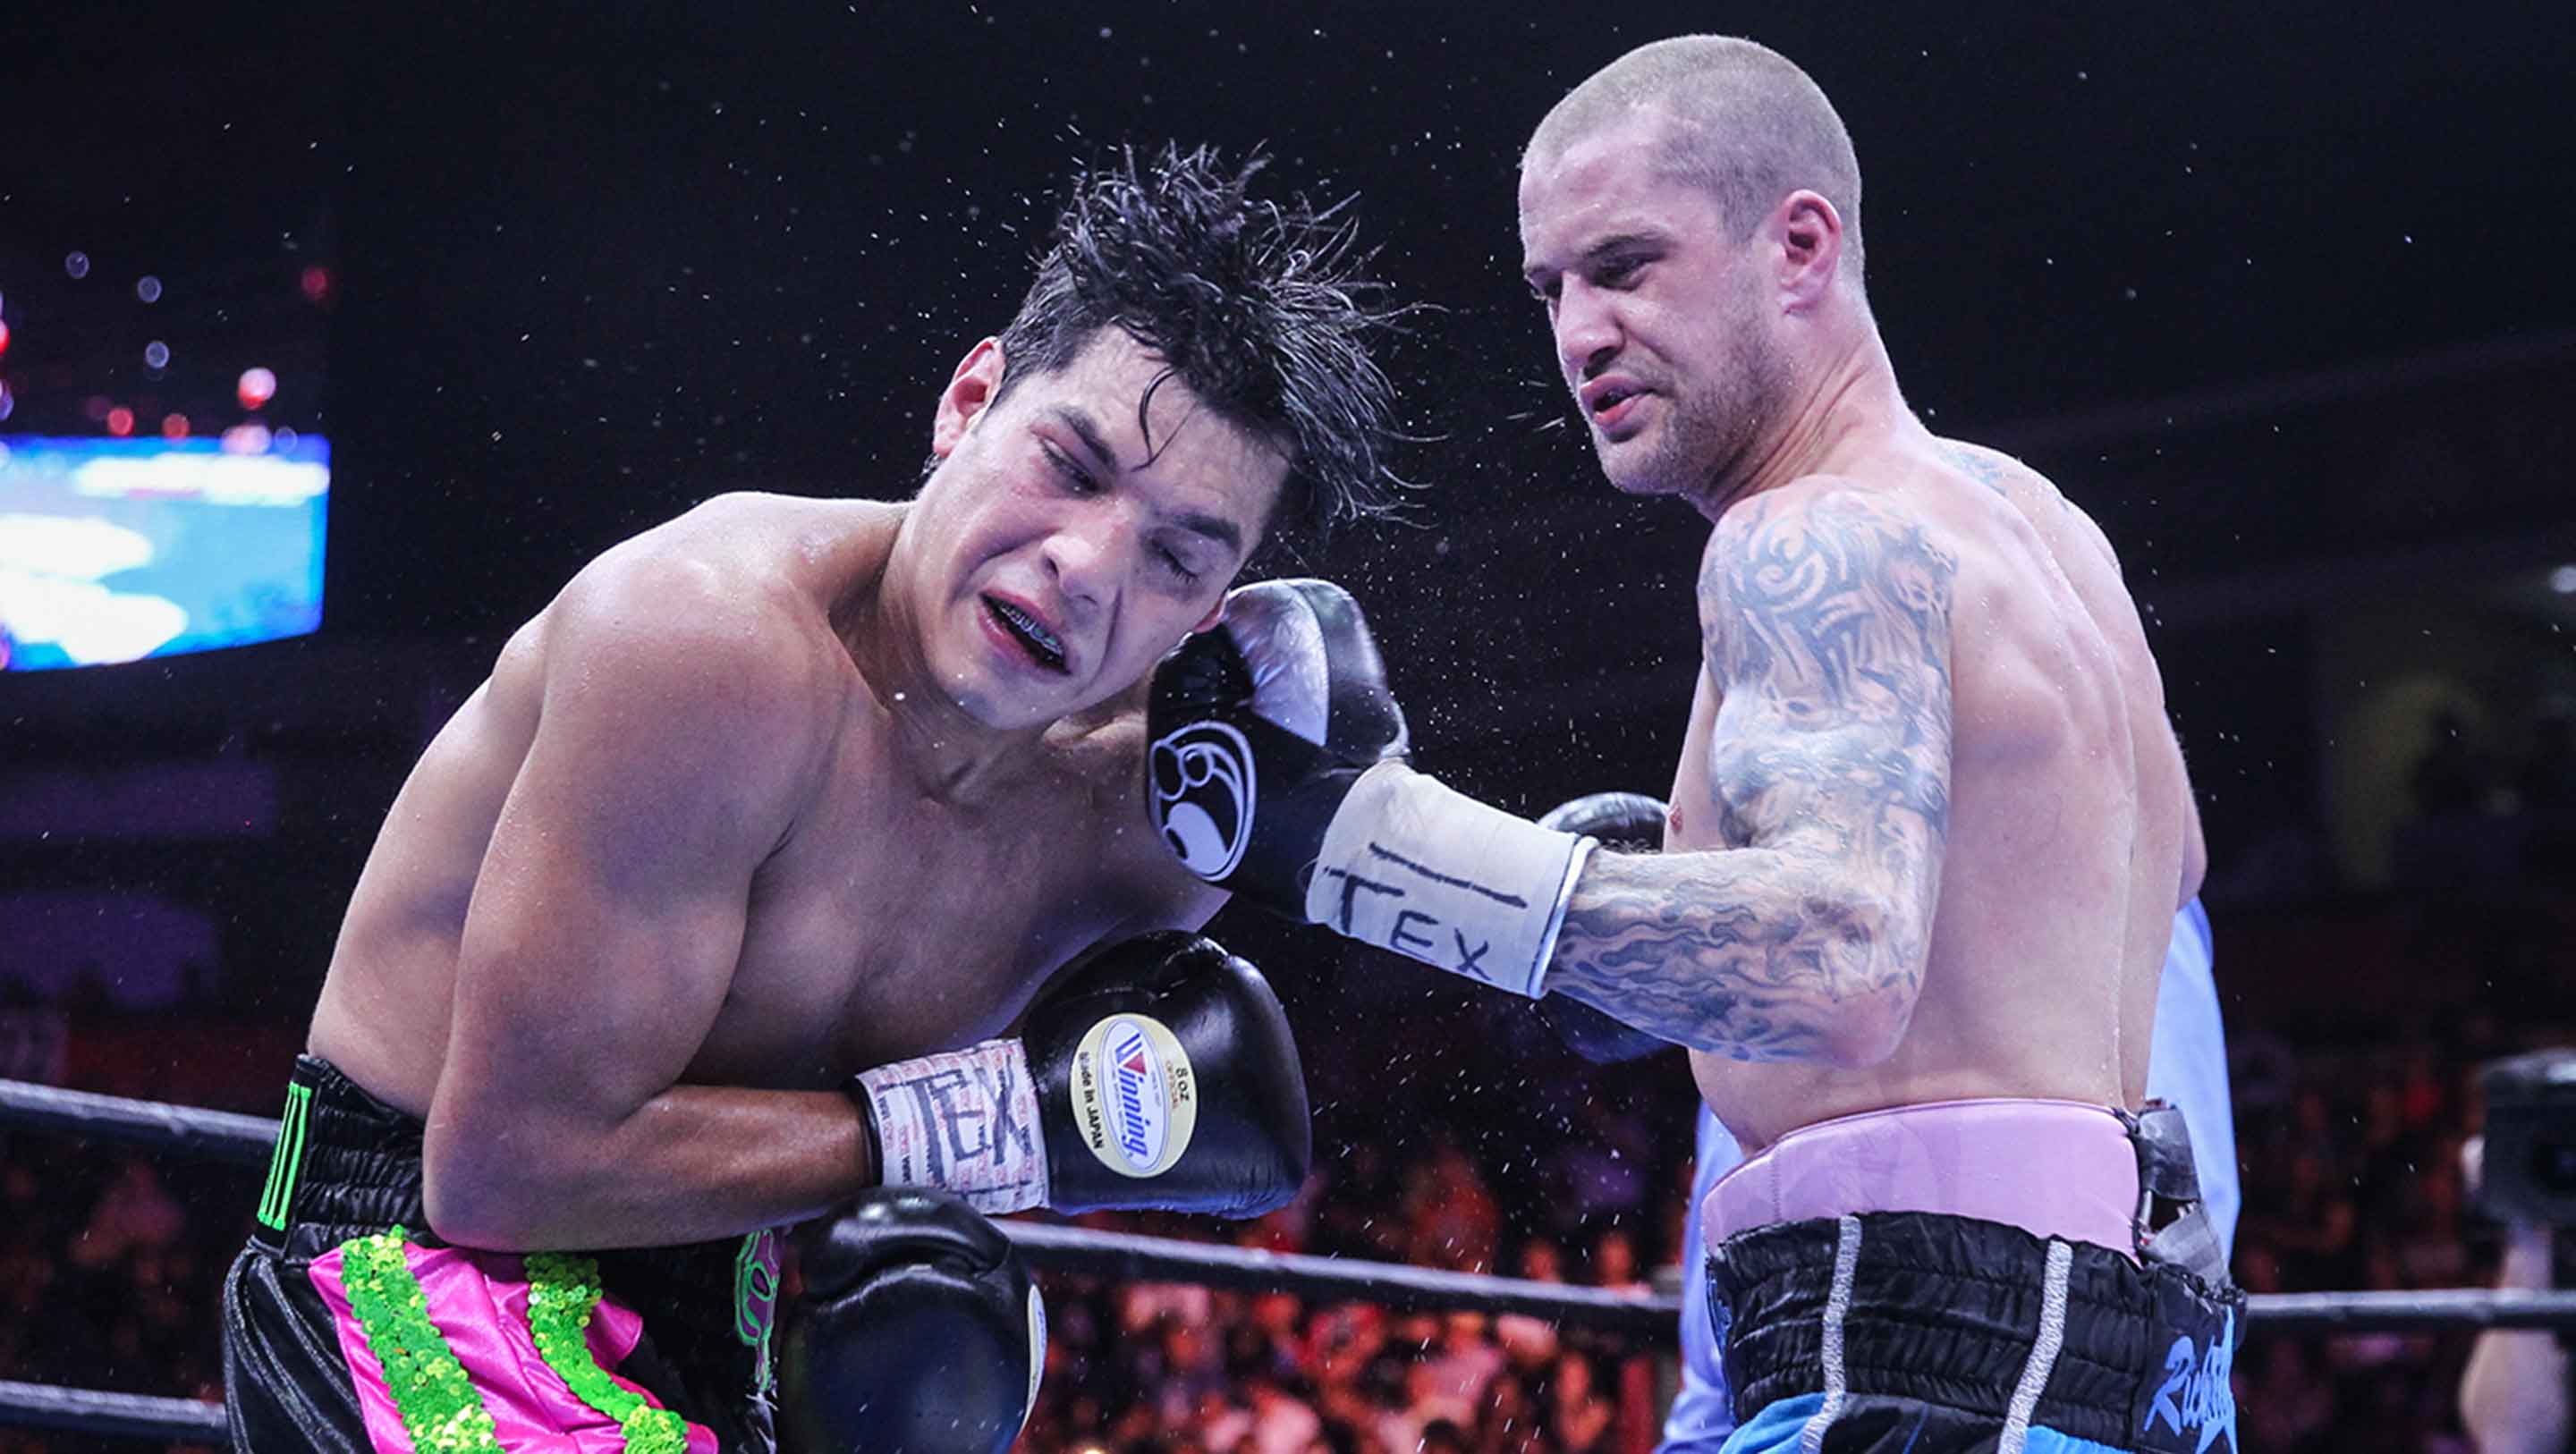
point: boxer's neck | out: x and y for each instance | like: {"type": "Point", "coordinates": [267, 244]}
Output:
{"type": "Point", "coordinates": [950, 755]}
{"type": "Point", "coordinates": [1838, 412]}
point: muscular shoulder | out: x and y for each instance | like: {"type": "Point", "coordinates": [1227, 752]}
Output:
{"type": "Point", "coordinates": [785, 539]}
{"type": "Point", "coordinates": [681, 636]}
{"type": "Point", "coordinates": [2035, 498]}
{"type": "Point", "coordinates": [1820, 544]}
{"type": "Point", "coordinates": [742, 583]}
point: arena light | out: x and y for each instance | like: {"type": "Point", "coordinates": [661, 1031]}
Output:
{"type": "Point", "coordinates": [115, 549]}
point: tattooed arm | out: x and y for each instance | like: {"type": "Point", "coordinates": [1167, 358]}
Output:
{"type": "Point", "coordinates": [1825, 620]}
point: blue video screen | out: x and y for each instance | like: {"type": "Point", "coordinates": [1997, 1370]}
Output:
{"type": "Point", "coordinates": [119, 549]}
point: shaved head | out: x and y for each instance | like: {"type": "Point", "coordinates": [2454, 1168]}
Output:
{"type": "Point", "coordinates": [1745, 125]}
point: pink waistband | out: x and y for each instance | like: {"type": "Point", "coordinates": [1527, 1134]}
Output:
{"type": "Point", "coordinates": [2052, 1168]}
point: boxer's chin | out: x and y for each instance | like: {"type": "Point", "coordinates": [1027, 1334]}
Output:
{"type": "Point", "coordinates": [1003, 709]}
{"type": "Point", "coordinates": [1634, 467]}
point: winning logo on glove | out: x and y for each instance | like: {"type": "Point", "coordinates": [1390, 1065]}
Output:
{"type": "Point", "coordinates": [1134, 1095]}
{"type": "Point", "coordinates": [1203, 796]}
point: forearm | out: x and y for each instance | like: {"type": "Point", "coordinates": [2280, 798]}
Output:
{"type": "Point", "coordinates": [1749, 953]}
{"type": "Point", "coordinates": [2513, 1398]}
{"type": "Point", "coordinates": [690, 1164]}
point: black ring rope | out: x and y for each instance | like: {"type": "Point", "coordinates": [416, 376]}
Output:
{"type": "Point", "coordinates": [114, 1415]}
{"type": "Point", "coordinates": [247, 1140]}
{"type": "Point", "coordinates": [207, 1135]}
{"type": "Point", "coordinates": [1397, 1286]}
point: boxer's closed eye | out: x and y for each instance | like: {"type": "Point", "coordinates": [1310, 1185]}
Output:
{"type": "Point", "coordinates": [1070, 470]}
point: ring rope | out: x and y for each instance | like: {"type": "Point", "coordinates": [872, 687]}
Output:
{"type": "Point", "coordinates": [207, 1135]}
{"type": "Point", "coordinates": [247, 1141]}
{"type": "Point", "coordinates": [1397, 1286]}
{"type": "Point", "coordinates": [114, 1415]}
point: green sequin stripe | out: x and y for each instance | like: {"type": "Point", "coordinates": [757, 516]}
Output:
{"type": "Point", "coordinates": [439, 1406]}
{"type": "Point", "coordinates": [563, 1292]}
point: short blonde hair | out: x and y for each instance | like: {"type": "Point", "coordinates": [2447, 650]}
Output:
{"type": "Point", "coordinates": [1749, 127]}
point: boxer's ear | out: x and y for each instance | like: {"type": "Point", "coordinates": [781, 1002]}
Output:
{"type": "Point", "coordinates": [971, 390]}
{"type": "Point", "coordinates": [1806, 237]}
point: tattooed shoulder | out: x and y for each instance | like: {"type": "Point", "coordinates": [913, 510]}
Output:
{"type": "Point", "coordinates": [1983, 466]}
{"type": "Point", "coordinates": [1815, 580]}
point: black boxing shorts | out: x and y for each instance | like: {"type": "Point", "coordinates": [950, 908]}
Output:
{"type": "Point", "coordinates": [348, 1326]}
{"type": "Point", "coordinates": [1869, 1316]}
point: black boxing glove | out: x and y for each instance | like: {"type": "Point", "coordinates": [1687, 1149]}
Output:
{"type": "Point", "coordinates": [1160, 1075]}
{"type": "Point", "coordinates": [1278, 773]}
{"type": "Point", "coordinates": [919, 1332]}
{"type": "Point", "coordinates": [1260, 729]}
{"type": "Point", "coordinates": [1167, 1078]}
{"type": "Point", "coordinates": [1624, 823]}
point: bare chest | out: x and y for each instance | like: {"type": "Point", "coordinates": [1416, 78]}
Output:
{"type": "Point", "coordinates": [1693, 820]}
{"type": "Point", "coordinates": [893, 929]}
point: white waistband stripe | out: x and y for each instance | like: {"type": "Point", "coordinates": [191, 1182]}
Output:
{"type": "Point", "coordinates": [2043, 1350]}
{"type": "Point", "coordinates": [1811, 1439]}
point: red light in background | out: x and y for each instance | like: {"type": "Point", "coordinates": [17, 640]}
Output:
{"type": "Point", "coordinates": [174, 426]}
{"type": "Point", "coordinates": [316, 283]}
{"type": "Point", "coordinates": [4, 338]}
{"type": "Point", "coordinates": [120, 421]}
{"type": "Point", "coordinates": [257, 387]}
{"type": "Point", "coordinates": [95, 407]}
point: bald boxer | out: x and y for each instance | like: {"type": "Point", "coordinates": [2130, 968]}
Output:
{"type": "Point", "coordinates": [1929, 829]}
{"type": "Point", "coordinates": [797, 849]}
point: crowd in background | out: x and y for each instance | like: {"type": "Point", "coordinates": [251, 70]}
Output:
{"type": "Point", "coordinates": [1525, 1162]}
{"type": "Point", "coordinates": [110, 1267]}
{"type": "Point", "coordinates": [110, 1263]}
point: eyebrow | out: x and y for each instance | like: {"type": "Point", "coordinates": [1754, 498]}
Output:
{"type": "Point", "coordinates": [1198, 522]}
{"type": "Point", "coordinates": [1086, 430]}
{"type": "Point", "coordinates": [1613, 243]}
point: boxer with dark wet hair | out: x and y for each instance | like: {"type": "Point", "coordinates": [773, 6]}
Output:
{"type": "Point", "coordinates": [796, 856]}
{"type": "Point", "coordinates": [1929, 831]}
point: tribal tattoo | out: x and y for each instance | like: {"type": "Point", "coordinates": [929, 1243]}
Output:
{"type": "Point", "coordinates": [1826, 627]}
